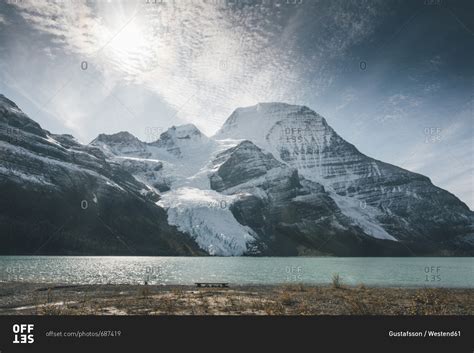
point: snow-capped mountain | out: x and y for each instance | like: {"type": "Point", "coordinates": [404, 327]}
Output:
{"type": "Point", "coordinates": [387, 202]}
{"type": "Point", "coordinates": [122, 143]}
{"type": "Point", "coordinates": [181, 140]}
{"type": "Point", "coordinates": [276, 179]}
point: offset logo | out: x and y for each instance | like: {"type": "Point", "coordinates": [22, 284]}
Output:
{"type": "Point", "coordinates": [23, 333]}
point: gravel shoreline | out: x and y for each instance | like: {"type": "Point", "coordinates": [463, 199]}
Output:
{"type": "Point", "coordinates": [124, 299]}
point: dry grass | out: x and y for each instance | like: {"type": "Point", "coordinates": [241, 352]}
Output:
{"type": "Point", "coordinates": [430, 301]}
{"type": "Point", "coordinates": [336, 281]}
{"type": "Point", "coordinates": [144, 292]}
{"type": "Point", "coordinates": [298, 287]}
{"type": "Point", "coordinates": [287, 299]}
{"type": "Point", "coordinates": [274, 308]}
{"type": "Point", "coordinates": [356, 306]}
{"type": "Point", "coordinates": [284, 300]}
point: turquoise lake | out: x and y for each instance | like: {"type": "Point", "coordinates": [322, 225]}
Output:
{"type": "Point", "coordinates": [396, 272]}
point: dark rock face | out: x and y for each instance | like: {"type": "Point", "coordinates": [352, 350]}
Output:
{"type": "Point", "coordinates": [60, 197]}
{"type": "Point", "coordinates": [242, 164]}
{"type": "Point", "coordinates": [291, 215]}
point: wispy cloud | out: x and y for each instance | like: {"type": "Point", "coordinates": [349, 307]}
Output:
{"type": "Point", "coordinates": [221, 56]}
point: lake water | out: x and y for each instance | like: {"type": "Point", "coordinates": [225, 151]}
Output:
{"type": "Point", "coordinates": [405, 272]}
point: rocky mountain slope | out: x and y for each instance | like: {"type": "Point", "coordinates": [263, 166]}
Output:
{"type": "Point", "coordinates": [387, 202]}
{"type": "Point", "coordinates": [60, 197]}
{"type": "Point", "coordinates": [276, 179]}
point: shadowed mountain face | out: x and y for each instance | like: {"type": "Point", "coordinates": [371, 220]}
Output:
{"type": "Point", "coordinates": [275, 180]}
{"type": "Point", "coordinates": [60, 197]}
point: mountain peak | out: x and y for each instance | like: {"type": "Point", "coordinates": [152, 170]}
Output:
{"type": "Point", "coordinates": [275, 107]}
{"type": "Point", "coordinates": [261, 117]}
{"type": "Point", "coordinates": [5, 101]}
{"type": "Point", "coordinates": [186, 131]}
{"type": "Point", "coordinates": [12, 115]}
{"type": "Point", "coordinates": [120, 143]}
{"type": "Point", "coordinates": [179, 138]}
{"type": "Point", "coordinates": [269, 125]}
{"type": "Point", "coordinates": [119, 137]}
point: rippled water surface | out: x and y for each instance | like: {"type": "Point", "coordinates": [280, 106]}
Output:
{"type": "Point", "coordinates": [406, 272]}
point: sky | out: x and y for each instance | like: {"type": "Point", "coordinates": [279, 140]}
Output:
{"type": "Point", "coordinates": [395, 78]}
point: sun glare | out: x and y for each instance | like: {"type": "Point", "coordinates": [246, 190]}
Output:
{"type": "Point", "coordinates": [130, 40]}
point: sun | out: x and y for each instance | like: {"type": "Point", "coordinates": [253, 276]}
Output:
{"type": "Point", "coordinates": [131, 39]}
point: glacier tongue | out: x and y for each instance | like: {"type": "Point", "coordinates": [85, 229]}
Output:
{"type": "Point", "coordinates": [205, 216]}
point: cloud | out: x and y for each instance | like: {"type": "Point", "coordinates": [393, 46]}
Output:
{"type": "Point", "coordinates": [204, 59]}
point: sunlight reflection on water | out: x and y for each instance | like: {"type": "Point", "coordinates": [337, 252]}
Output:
{"type": "Point", "coordinates": [407, 272]}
